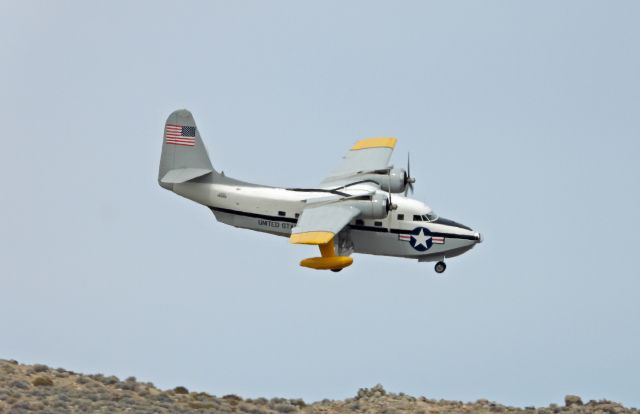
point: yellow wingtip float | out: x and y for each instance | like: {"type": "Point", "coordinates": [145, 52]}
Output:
{"type": "Point", "coordinates": [327, 263]}
{"type": "Point", "coordinates": [329, 260]}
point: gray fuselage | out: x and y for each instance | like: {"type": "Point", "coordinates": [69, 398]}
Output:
{"type": "Point", "coordinates": [409, 231]}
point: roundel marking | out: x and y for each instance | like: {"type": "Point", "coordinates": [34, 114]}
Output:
{"type": "Point", "coordinates": [421, 239]}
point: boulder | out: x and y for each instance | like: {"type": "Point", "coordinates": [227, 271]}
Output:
{"type": "Point", "coordinates": [570, 400]}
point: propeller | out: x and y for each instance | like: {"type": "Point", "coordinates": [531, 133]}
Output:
{"type": "Point", "coordinates": [408, 179]}
{"type": "Point", "coordinates": [390, 205]}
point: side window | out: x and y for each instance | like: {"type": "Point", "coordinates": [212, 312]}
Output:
{"type": "Point", "coordinates": [417, 217]}
{"type": "Point", "coordinates": [377, 223]}
{"type": "Point", "coordinates": [282, 213]}
{"type": "Point", "coordinates": [400, 216]}
{"type": "Point", "coordinates": [359, 222]}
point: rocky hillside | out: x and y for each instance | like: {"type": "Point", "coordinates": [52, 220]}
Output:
{"type": "Point", "coordinates": [40, 389]}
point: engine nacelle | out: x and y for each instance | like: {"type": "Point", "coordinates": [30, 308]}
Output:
{"type": "Point", "coordinates": [394, 182]}
{"type": "Point", "coordinates": [375, 208]}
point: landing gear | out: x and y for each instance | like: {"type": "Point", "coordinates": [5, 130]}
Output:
{"type": "Point", "coordinates": [440, 267]}
{"type": "Point", "coordinates": [335, 270]}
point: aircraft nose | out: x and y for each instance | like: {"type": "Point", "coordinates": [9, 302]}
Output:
{"type": "Point", "coordinates": [466, 230]}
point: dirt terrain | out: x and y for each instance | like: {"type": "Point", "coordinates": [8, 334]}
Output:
{"type": "Point", "coordinates": [40, 389]}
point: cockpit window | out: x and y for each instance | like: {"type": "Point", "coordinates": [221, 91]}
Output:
{"type": "Point", "coordinates": [426, 217]}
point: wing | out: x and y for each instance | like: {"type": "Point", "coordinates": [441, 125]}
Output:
{"type": "Point", "coordinates": [366, 155]}
{"type": "Point", "coordinates": [319, 224]}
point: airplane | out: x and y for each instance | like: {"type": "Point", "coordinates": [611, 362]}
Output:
{"type": "Point", "coordinates": [360, 207]}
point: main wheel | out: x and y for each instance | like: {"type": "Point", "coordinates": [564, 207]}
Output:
{"type": "Point", "coordinates": [440, 267]}
{"type": "Point", "coordinates": [335, 270]}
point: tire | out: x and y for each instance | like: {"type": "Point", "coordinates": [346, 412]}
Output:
{"type": "Point", "coordinates": [440, 267]}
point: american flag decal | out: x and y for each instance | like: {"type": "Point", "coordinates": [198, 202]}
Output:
{"type": "Point", "coordinates": [180, 135]}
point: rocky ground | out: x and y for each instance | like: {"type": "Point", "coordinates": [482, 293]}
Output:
{"type": "Point", "coordinates": [40, 389]}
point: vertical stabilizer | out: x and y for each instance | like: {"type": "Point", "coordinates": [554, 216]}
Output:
{"type": "Point", "coordinates": [184, 156]}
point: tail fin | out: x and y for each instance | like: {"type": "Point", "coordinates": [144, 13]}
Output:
{"type": "Point", "coordinates": [184, 156]}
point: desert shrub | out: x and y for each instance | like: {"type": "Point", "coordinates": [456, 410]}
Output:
{"type": "Point", "coordinates": [92, 397]}
{"type": "Point", "coordinates": [127, 386]}
{"type": "Point", "coordinates": [23, 385]}
{"type": "Point", "coordinates": [162, 397]}
{"type": "Point", "coordinates": [232, 399]}
{"type": "Point", "coordinates": [200, 396]}
{"type": "Point", "coordinates": [284, 407]}
{"type": "Point", "coordinates": [42, 382]}
{"type": "Point", "coordinates": [181, 390]}
{"type": "Point", "coordinates": [40, 392]}
{"type": "Point", "coordinates": [128, 401]}
{"type": "Point", "coordinates": [244, 408]}
{"type": "Point", "coordinates": [131, 379]}
{"type": "Point", "coordinates": [63, 397]}
{"type": "Point", "coordinates": [9, 369]}
{"type": "Point", "coordinates": [39, 368]}
{"type": "Point", "coordinates": [379, 388]}
{"type": "Point", "coordinates": [298, 402]}
{"type": "Point", "coordinates": [22, 405]}
{"type": "Point", "coordinates": [261, 401]}
{"type": "Point", "coordinates": [251, 410]}
{"type": "Point", "coordinates": [110, 380]}
{"type": "Point", "coordinates": [83, 404]}
{"type": "Point", "coordinates": [199, 405]}
{"type": "Point", "coordinates": [59, 405]}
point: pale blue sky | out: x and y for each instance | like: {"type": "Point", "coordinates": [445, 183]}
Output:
{"type": "Point", "coordinates": [522, 119]}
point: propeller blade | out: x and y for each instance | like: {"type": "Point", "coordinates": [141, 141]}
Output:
{"type": "Point", "coordinates": [389, 186]}
{"type": "Point", "coordinates": [408, 179]}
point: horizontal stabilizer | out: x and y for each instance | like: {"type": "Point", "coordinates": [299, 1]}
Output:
{"type": "Point", "coordinates": [182, 175]}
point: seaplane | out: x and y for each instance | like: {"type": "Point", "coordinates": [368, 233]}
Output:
{"type": "Point", "coordinates": [362, 206]}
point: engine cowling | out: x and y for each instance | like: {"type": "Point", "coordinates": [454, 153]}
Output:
{"type": "Point", "coordinates": [393, 182]}
{"type": "Point", "coordinates": [375, 208]}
